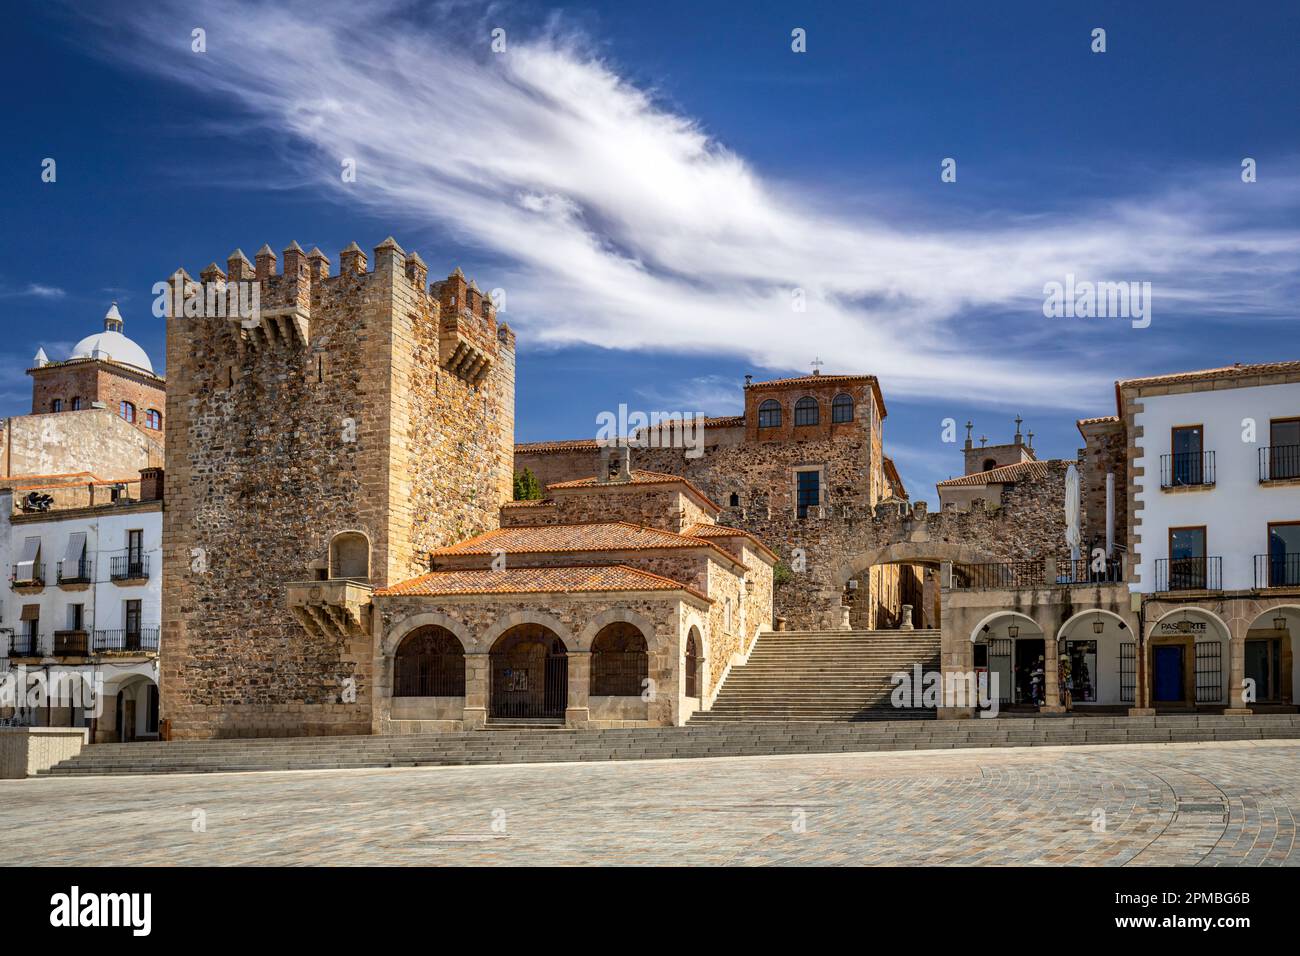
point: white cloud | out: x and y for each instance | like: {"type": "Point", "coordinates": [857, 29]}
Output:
{"type": "Point", "coordinates": [34, 289]}
{"type": "Point", "coordinates": [621, 223]}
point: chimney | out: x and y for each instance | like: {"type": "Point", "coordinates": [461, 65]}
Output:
{"type": "Point", "coordinates": [151, 484]}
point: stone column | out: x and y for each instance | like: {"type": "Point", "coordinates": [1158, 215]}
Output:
{"type": "Point", "coordinates": [578, 713]}
{"type": "Point", "coordinates": [1051, 676]}
{"type": "Point", "coordinates": [1237, 628]}
{"type": "Point", "coordinates": [1141, 666]}
{"type": "Point", "coordinates": [478, 673]}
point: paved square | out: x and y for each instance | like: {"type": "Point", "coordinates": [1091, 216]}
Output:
{"type": "Point", "coordinates": [1193, 804]}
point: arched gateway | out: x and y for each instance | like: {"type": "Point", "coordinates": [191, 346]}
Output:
{"type": "Point", "coordinates": [530, 674]}
{"type": "Point", "coordinates": [879, 582]}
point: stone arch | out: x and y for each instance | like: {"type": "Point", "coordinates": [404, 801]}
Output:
{"type": "Point", "coordinates": [399, 629]}
{"type": "Point", "coordinates": [978, 630]}
{"type": "Point", "coordinates": [515, 618]}
{"type": "Point", "coordinates": [1089, 612]}
{"type": "Point", "coordinates": [913, 552]}
{"type": "Point", "coordinates": [350, 551]}
{"type": "Point", "coordinates": [616, 615]}
{"type": "Point", "coordinates": [1225, 632]}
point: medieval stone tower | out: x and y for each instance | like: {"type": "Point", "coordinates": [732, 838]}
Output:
{"type": "Point", "coordinates": [318, 448]}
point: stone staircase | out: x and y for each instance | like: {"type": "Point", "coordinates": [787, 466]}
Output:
{"type": "Point", "coordinates": [824, 676]}
{"type": "Point", "coordinates": [710, 739]}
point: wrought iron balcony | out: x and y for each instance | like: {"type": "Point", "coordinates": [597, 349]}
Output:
{"type": "Point", "coordinates": [128, 567]}
{"type": "Point", "coordinates": [75, 572]}
{"type": "Point", "coordinates": [1085, 571]}
{"type": "Point", "coordinates": [25, 645]}
{"type": "Point", "coordinates": [1187, 469]}
{"type": "Point", "coordinates": [1277, 570]}
{"type": "Point", "coordinates": [71, 643]}
{"type": "Point", "coordinates": [1003, 574]}
{"type": "Point", "coordinates": [32, 579]}
{"type": "Point", "coordinates": [128, 640]}
{"type": "Point", "coordinates": [1279, 463]}
{"type": "Point", "coordinates": [1189, 574]}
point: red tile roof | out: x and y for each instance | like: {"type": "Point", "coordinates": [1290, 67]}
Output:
{"type": "Point", "coordinates": [810, 380]}
{"type": "Point", "coordinates": [570, 579]}
{"type": "Point", "coordinates": [639, 477]}
{"type": "Point", "coordinates": [1005, 474]}
{"type": "Point", "coordinates": [722, 531]}
{"type": "Point", "coordinates": [570, 444]}
{"type": "Point", "coordinates": [584, 537]}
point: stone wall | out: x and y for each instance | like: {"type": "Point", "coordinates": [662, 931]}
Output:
{"type": "Point", "coordinates": [94, 440]}
{"type": "Point", "coordinates": [1105, 451]}
{"type": "Point", "coordinates": [335, 412]}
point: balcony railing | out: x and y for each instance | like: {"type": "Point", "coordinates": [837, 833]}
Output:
{"type": "Point", "coordinates": [1189, 574]}
{"type": "Point", "coordinates": [1084, 571]}
{"type": "Point", "coordinates": [1279, 462]}
{"type": "Point", "coordinates": [1187, 469]}
{"type": "Point", "coordinates": [24, 645]}
{"type": "Point", "coordinates": [31, 579]}
{"type": "Point", "coordinates": [139, 639]}
{"type": "Point", "coordinates": [128, 567]}
{"type": "Point", "coordinates": [1004, 574]}
{"type": "Point", "coordinates": [75, 572]}
{"type": "Point", "coordinates": [71, 643]}
{"type": "Point", "coordinates": [1277, 570]}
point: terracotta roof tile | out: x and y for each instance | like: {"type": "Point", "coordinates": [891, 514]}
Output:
{"type": "Point", "coordinates": [571, 579]}
{"type": "Point", "coordinates": [570, 538]}
{"type": "Point", "coordinates": [1205, 374]}
{"type": "Point", "coordinates": [570, 444]}
{"type": "Point", "coordinates": [722, 531]}
{"type": "Point", "coordinates": [1004, 474]}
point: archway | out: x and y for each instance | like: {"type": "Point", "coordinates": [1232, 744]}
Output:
{"type": "Point", "coordinates": [1098, 661]}
{"type": "Point", "coordinates": [1188, 660]}
{"type": "Point", "coordinates": [529, 674]}
{"type": "Point", "coordinates": [429, 662]}
{"type": "Point", "coordinates": [136, 710]}
{"type": "Point", "coordinates": [1272, 643]}
{"type": "Point", "coordinates": [349, 556]}
{"type": "Point", "coordinates": [1012, 649]}
{"type": "Point", "coordinates": [620, 661]}
{"type": "Point", "coordinates": [877, 584]}
{"type": "Point", "coordinates": [692, 663]}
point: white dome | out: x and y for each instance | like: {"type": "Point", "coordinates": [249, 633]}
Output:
{"type": "Point", "coordinates": [112, 345]}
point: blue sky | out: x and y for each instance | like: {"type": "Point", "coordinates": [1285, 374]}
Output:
{"type": "Point", "coordinates": [650, 184]}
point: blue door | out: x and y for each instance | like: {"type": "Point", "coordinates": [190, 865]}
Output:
{"type": "Point", "coordinates": [1168, 673]}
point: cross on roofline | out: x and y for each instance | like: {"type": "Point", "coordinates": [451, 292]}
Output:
{"type": "Point", "coordinates": [817, 364]}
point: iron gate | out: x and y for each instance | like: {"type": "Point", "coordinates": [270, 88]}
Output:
{"type": "Point", "coordinates": [1000, 663]}
{"type": "Point", "coordinates": [1128, 672]}
{"type": "Point", "coordinates": [1209, 672]}
{"type": "Point", "coordinates": [531, 685]}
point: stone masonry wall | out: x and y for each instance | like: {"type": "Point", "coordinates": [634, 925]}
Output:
{"type": "Point", "coordinates": [94, 440]}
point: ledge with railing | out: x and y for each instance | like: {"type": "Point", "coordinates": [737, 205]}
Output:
{"type": "Point", "coordinates": [1189, 574]}
{"type": "Point", "coordinates": [71, 643]}
{"type": "Point", "coordinates": [128, 567]}
{"type": "Point", "coordinates": [1000, 574]}
{"type": "Point", "coordinates": [128, 640]}
{"type": "Point", "coordinates": [1277, 570]}
{"type": "Point", "coordinates": [75, 572]}
{"type": "Point", "coordinates": [25, 645]}
{"type": "Point", "coordinates": [1279, 463]}
{"type": "Point", "coordinates": [35, 578]}
{"type": "Point", "coordinates": [1193, 469]}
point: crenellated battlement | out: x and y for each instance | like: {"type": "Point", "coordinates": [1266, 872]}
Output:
{"type": "Point", "coordinates": [270, 300]}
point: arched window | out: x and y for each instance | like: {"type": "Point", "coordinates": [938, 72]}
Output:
{"type": "Point", "coordinates": [153, 419]}
{"type": "Point", "coordinates": [769, 414]}
{"type": "Point", "coordinates": [619, 661]}
{"type": "Point", "coordinates": [842, 408]}
{"type": "Point", "coordinates": [989, 464]}
{"type": "Point", "coordinates": [692, 666]}
{"type": "Point", "coordinates": [56, 405]}
{"type": "Point", "coordinates": [126, 410]}
{"type": "Point", "coordinates": [735, 500]}
{"type": "Point", "coordinates": [350, 556]}
{"type": "Point", "coordinates": [429, 663]}
{"type": "Point", "coordinates": [76, 403]}
{"type": "Point", "coordinates": [806, 411]}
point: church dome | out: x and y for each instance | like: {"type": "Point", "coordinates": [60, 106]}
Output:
{"type": "Point", "coordinates": [112, 345]}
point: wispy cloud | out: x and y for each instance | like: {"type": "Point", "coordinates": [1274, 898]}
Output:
{"type": "Point", "coordinates": [35, 290]}
{"type": "Point", "coordinates": [620, 222]}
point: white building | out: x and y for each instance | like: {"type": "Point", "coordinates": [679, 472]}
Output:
{"type": "Point", "coordinates": [1214, 516]}
{"type": "Point", "coordinates": [83, 601]}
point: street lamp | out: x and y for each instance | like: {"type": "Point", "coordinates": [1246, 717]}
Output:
{"type": "Point", "coordinates": [1013, 631]}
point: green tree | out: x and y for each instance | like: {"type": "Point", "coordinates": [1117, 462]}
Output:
{"type": "Point", "coordinates": [527, 487]}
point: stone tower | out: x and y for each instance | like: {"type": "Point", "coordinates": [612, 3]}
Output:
{"type": "Point", "coordinates": [317, 448]}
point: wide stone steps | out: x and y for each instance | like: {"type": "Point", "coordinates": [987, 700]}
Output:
{"type": "Point", "coordinates": [712, 738]}
{"type": "Point", "coordinates": [823, 676]}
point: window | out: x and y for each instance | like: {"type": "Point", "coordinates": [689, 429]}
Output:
{"type": "Point", "coordinates": [1187, 558]}
{"type": "Point", "coordinates": [126, 410]}
{"type": "Point", "coordinates": [620, 663]}
{"type": "Point", "coordinates": [56, 405]}
{"type": "Point", "coordinates": [429, 662]}
{"type": "Point", "coordinates": [76, 403]}
{"type": "Point", "coordinates": [1188, 462]}
{"type": "Point", "coordinates": [807, 411]}
{"type": "Point", "coordinates": [134, 545]}
{"type": "Point", "coordinates": [726, 616]}
{"type": "Point", "coordinates": [153, 419]}
{"type": "Point", "coordinates": [692, 666]}
{"type": "Point", "coordinates": [76, 616]}
{"type": "Point", "coordinates": [1284, 554]}
{"type": "Point", "coordinates": [735, 500]}
{"type": "Point", "coordinates": [842, 408]}
{"type": "Point", "coordinates": [132, 609]}
{"type": "Point", "coordinates": [769, 414]}
{"type": "Point", "coordinates": [989, 464]}
{"type": "Point", "coordinates": [1284, 448]}
{"type": "Point", "coordinates": [809, 491]}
